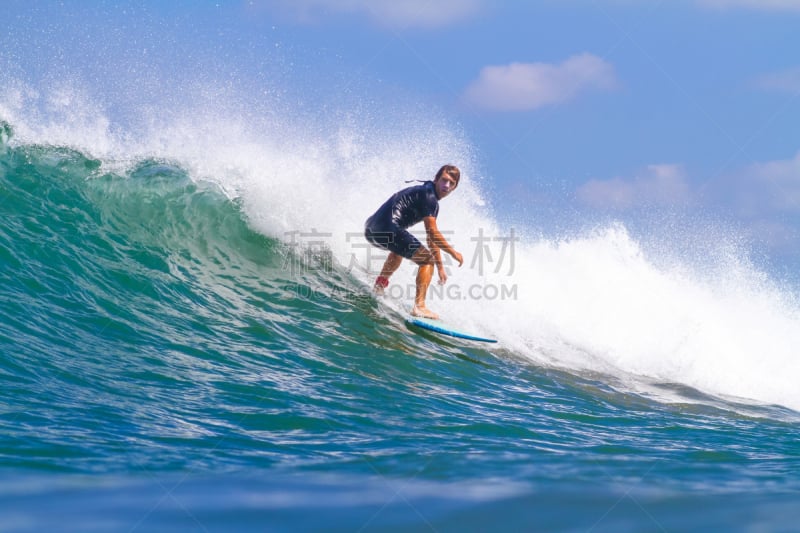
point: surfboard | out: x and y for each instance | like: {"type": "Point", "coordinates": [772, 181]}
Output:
{"type": "Point", "coordinates": [437, 326]}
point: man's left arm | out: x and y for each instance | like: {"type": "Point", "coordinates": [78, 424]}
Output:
{"type": "Point", "coordinates": [437, 241]}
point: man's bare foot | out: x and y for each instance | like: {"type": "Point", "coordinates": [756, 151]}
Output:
{"type": "Point", "coordinates": [377, 290]}
{"type": "Point", "coordinates": [424, 312]}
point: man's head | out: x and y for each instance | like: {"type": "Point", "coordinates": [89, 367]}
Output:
{"type": "Point", "coordinates": [446, 180]}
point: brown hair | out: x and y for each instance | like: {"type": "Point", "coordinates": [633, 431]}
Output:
{"type": "Point", "coordinates": [450, 170]}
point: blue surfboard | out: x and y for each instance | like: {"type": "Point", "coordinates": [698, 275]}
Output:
{"type": "Point", "coordinates": [437, 326]}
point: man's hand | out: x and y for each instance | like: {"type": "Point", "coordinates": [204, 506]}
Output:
{"type": "Point", "coordinates": [442, 275]}
{"type": "Point", "coordinates": [458, 257]}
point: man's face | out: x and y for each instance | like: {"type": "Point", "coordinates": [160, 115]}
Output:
{"type": "Point", "coordinates": [445, 185]}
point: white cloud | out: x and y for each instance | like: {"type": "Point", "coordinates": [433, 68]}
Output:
{"type": "Point", "coordinates": [721, 5]}
{"type": "Point", "coordinates": [770, 186]}
{"type": "Point", "coordinates": [766, 197]}
{"type": "Point", "coordinates": [786, 80]}
{"type": "Point", "coordinates": [656, 185]}
{"type": "Point", "coordinates": [774, 234]}
{"type": "Point", "coordinates": [393, 13]}
{"type": "Point", "coordinates": [763, 5]}
{"type": "Point", "coordinates": [528, 86]}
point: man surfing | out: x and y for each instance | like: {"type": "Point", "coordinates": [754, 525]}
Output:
{"type": "Point", "coordinates": [388, 229]}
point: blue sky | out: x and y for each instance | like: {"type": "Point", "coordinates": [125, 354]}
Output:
{"type": "Point", "coordinates": [613, 107]}
{"type": "Point", "coordinates": [607, 108]}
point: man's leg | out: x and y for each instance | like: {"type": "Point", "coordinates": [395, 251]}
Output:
{"type": "Point", "coordinates": [424, 259]}
{"type": "Point", "coordinates": [391, 264]}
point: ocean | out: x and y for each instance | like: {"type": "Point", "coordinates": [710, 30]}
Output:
{"type": "Point", "coordinates": [189, 342]}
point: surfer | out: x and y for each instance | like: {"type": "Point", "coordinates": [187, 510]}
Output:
{"type": "Point", "coordinates": [388, 229]}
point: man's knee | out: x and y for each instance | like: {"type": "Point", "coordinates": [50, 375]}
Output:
{"type": "Point", "coordinates": [422, 257]}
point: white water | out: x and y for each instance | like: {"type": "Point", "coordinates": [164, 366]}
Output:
{"type": "Point", "coordinates": [592, 302]}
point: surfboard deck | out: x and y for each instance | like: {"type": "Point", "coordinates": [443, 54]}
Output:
{"type": "Point", "coordinates": [437, 326]}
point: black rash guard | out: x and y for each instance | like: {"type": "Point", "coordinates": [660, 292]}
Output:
{"type": "Point", "coordinates": [387, 228]}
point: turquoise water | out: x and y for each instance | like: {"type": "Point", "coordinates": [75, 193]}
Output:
{"type": "Point", "coordinates": [168, 365]}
